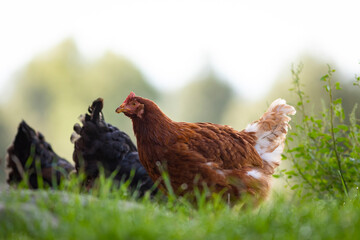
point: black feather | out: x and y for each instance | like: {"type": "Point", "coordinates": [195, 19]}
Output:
{"type": "Point", "coordinates": [29, 147]}
{"type": "Point", "coordinates": [101, 144]}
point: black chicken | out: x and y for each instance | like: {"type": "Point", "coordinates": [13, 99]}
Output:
{"type": "Point", "coordinates": [30, 153]}
{"type": "Point", "coordinates": [99, 144]}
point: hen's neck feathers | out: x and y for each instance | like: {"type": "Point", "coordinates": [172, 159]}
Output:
{"type": "Point", "coordinates": [154, 125]}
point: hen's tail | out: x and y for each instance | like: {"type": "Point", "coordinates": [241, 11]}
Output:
{"type": "Point", "coordinates": [270, 131]}
{"type": "Point", "coordinates": [95, 115]}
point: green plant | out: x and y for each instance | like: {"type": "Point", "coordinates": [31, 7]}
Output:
{"type": "Point", "coordinates": [324, 148]}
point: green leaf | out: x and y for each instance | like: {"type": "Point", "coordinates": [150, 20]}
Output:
{"type": "Point", "coordinates": [324, 150]}
{"type": "Point", "coordinates": [324, 78]}
{"type": "Point", "coordinates": [343, 127]}
{"type": "Point", "coordinates": [337, 86]}
{"type": "Point", "coordinates": [338, 101]}
{"type": "Point", "coordinates": [313, 134]}
{"type": "Point", "coordinates": [291, 172]}
{"type": "Point", "coordinates": [342, 139]}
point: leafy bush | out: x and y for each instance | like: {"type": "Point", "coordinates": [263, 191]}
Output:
{"type": "Point", "coordinates": [323, 147]}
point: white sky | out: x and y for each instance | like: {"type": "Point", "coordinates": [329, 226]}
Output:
{"type": "Point", "coordinates": [248, 42]}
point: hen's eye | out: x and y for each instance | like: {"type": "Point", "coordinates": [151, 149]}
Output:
{"type": "Point", "coordinates": [134, 103]}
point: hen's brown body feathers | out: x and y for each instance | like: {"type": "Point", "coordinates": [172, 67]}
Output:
{"type": "Point", "coordinates": [195, 154]}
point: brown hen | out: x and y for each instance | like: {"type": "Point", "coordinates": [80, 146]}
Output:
{"type": "Point", "coordinates": [198, 154]}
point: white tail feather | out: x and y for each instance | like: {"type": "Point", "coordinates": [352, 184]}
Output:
{"type": "Point", "coordinates": [271, 130]}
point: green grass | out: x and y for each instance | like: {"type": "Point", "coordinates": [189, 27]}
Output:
{"type": "Point", "coordinates": [49, 214]}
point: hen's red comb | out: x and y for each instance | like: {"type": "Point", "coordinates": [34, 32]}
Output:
{"type": "Point", "coordinates": [131, 96]}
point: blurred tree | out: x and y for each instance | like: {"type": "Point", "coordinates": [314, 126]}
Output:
{"type": "Point", "coordinates": [58, 86]}
{"type": "Point", "coordinates": [350, 95]}
{"type": "Point", "coordinates": [241, 112]}
{"type": "Point", "coordinates": [113, 78]}
{"type": "Point", "coordinates": [205, 99]}
{"type": "Point", "coordinates": [5, 135]}
{"type": "Point", "coordinates": [4, 132]}
{"type": "Point", "coordinates": [313, 69]}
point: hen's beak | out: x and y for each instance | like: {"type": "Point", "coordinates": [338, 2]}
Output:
{"type": "Point", "coordinates": [121, 109]}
